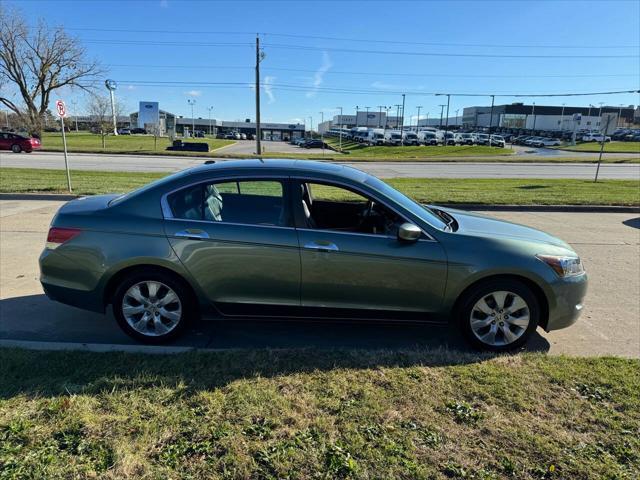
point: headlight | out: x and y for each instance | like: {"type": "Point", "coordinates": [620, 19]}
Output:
{"type": "Point", "coordinates": [563, 266]}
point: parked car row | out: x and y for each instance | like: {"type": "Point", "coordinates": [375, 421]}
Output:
{"type": "Point", "coordinates": [309, 143]}
{"type": "Point", "coordinates": [409, 137]}
{"type": "Point", "coordinates": [235, 136]}
{"type": "Point", "coordinates": [626, 135]}
{"type": "Point", "coordinates": [535, 141]}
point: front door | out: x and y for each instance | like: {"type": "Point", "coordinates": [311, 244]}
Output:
{"type": "Point", "coordinates": [237, 240]}
{"type": "Point", "coordinates": [351, 256]}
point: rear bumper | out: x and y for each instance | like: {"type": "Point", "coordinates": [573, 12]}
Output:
{"type": "Point", "coordinates": [87, 300]}
{"type": "Point", "coordinates": [569, 302]}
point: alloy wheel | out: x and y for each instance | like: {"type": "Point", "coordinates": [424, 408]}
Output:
{"type": "Point", "coordinates": [151, 308]}
{"type": "Point", "coordinates": [499, 318]}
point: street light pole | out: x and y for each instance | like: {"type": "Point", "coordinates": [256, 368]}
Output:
{"type": "Point", "coordinates": [402, 122]}
{"type": "Point", "coordinates": [562, 118]}
{"type": "Point", "coordinates": [418, 119]}
{"type": "Point", "coordinates": [210, 108]}
{"type": "Point", "coordinates": [380, 107]}
{"type": "Point", "coordinates": [493, 97]}
{"type": "Point", "coordinates": [192, 102]}
{"type": "Point", "coordinates": [356, 116]}
{"type": "Point", "coordinates": [600, 114]}
{"type": "Point", "coordinates": [340, 128]}
{"type": "Point", "coordinates": [441, 112]}
{"type": "Point", "coordinates": [311, 126]}
{"type": "Point", "coordinates": [457, 110]}
{"type": "Point", "coordinates": [322, 133]}
{"type": "Point", "coordinates": [447, 119]}
{"type": "Point", "coordinates": [533, 112]}
{"type": "Point", "coordinates": [367, 124]}
{"type": "Point", "coordinates": [617, 122]}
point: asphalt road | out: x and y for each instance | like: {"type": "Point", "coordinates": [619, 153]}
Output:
{"type": "Point", "coordinates": [610, 325]}
{"type": "Point", "coordinates": [146, 163]}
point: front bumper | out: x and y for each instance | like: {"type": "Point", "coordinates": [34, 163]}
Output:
{"type": "Point", "coordinates": [569, 296]}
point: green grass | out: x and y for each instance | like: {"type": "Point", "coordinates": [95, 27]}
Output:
{"type": "Point", "coordinates": [92, 143]}
{"type": "Point", "coordinates": [610, 147]}
{"type": "Point", "coordinates": [424, 190]}
{"type": "Point", "coordinates": [412, 414]}
{"type": "Point", "coordinates": [358, 150]}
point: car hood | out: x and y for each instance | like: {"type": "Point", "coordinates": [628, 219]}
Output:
{"type": "Point", "coordinates": [476, 224]}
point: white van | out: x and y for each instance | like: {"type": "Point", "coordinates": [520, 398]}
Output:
{"type": "Point", "coordinates": [375, 136]}
{"type": "Point", "coordinates": [393, 137]}
{"type": "Point", "coordinates": [427, 137]}
{"type": "Point", "coordinates": [410, 138]}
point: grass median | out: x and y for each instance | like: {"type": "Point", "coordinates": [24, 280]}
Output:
{"type": "Point", "coordinates": [318, 414]}
{"type": "Point", "coordinates": [424, 190]}
{"type": "Point", "coordinates": [609, 147]}
{"type": "Point", "coordinates": [145, 144]}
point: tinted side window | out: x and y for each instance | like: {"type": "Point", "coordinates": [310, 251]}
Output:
{"type": "Point", "coordinates": [254, 202]}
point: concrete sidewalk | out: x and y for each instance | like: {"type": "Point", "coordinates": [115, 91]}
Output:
{"type": "Point", "coordinates": [609, 244]}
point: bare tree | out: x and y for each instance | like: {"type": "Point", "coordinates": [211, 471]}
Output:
{"type": "Point", "coordinates": [37, 61]}
{"type": "Point", "coordinates": [99, 110]}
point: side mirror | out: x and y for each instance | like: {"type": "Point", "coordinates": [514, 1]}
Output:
{"type": "Point", "coordinates": [409, 232]}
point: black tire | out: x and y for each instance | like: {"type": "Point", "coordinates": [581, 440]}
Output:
{"type": "Point", "coordinates": [184, 293]}
{"type": "Point", "coordinates": [16, 148]}
{"type": "Point", "coordinates": [484, 289]}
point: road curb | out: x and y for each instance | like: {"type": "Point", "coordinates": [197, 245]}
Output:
{"type": "Point", "coordinates": [38, 196]}
{"type": "Point", "coordinates": [98, 347]}
{"type": "Point", "coordinates": [544, 208]}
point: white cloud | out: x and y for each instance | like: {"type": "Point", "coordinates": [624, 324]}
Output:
{"type": "Point", "coordinates": [319, 75]}
{"type": "Point", "coordinates": [268, 82]}
{"type": "Point", "coordinates": [193, 93]}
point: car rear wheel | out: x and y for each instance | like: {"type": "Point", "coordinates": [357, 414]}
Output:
{"type": "Point", "coordinates": [16, 148]}
{"type": "Point", "coordinates": [499, 315]}
{"type": "Point", "coordinates": [153, 307]}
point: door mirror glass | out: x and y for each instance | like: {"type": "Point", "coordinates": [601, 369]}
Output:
{"type": "Point", "coordinates": [409, 232]}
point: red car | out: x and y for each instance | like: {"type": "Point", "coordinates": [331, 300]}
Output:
{"type": "Point", "coordinates": [17, 143]}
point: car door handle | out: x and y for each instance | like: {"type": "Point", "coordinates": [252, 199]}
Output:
{"type": "Point", "coordinates": [322, 246]}
{"type": "Point", "coordinates": [192, 234]}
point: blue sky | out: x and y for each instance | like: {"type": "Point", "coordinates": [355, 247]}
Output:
{"type": "Point", "coordinates": [301, 71]}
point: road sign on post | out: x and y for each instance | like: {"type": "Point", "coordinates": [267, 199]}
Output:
{"type": "Point", "coordinates": [61, 108]}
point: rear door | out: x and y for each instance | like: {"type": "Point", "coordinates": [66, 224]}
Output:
{"type": "Point", "coordinates": [236, 238]}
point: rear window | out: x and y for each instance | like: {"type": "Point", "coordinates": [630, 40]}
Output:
{"type": "Point", "coordinates": [252, 202]}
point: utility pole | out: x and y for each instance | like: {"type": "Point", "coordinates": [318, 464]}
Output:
{"type": "Point", "coordinates": [418, 119]}
{"type": "Point", "coordinates": [192, 102]}
{"type": "Point", "coordinates": [447, 119]}
{"type": "Point", "coordinates": [209, 108]}
{"type": "Point", "coordinates": [441, 112]}
{"type": "Point", "coordinates": [602, 148]}
{"type": "Point", "coordinates": [493, 97]}
{"type": "Point", "coordinates": [402, 122]}
{"type": "Point", "coordinates": [617, 121]}
{"type": "Point", "coordinates": [340, 108]}
{"type": "Point", "coordinates": [259, 58]}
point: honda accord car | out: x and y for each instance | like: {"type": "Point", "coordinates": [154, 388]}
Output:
{"type": "Point", "coordinates": [302, 239]}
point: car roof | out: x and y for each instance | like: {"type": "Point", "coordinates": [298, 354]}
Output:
{"type": "Point", "coordinates": [293, 166]}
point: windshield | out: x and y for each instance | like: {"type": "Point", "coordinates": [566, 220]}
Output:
{"type": "Point", "coordinates": [395, 135]}
{"type": "Point", "coordinates": [411, 205]}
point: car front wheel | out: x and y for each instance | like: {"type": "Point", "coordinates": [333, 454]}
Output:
{"type": "Point", "coordinates": [153, 307]}
{"type": "Point", "coordinates": [16, 148]}
{"type": "Point", "coordinates": [499, 315]}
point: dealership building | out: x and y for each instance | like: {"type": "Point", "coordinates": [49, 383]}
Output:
{"type": "Point", "coordinates": [360, 119]}
{"type": "Point", "coordinates": [549, 118]}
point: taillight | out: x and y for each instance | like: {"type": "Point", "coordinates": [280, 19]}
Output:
{"type": "Point", "coordinates": [57, 236]}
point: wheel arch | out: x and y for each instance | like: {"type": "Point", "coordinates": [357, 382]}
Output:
{"type": "Point", "coordinates": [535, 288]}
{"type": "Point", "coordinates": [117, 277]}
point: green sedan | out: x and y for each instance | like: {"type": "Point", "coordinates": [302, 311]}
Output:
{"type": "Point", "coordinates": [302, 239]}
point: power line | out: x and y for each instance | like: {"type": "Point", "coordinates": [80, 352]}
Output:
{"type": "Point", "coordinates": [347, 39]}
{"type": "Point", "coordinates": [385, 74]}
{"type": "Point", "coordinates": [344, 50]}
{"type": "Point", "coordinates": [293, 87]}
